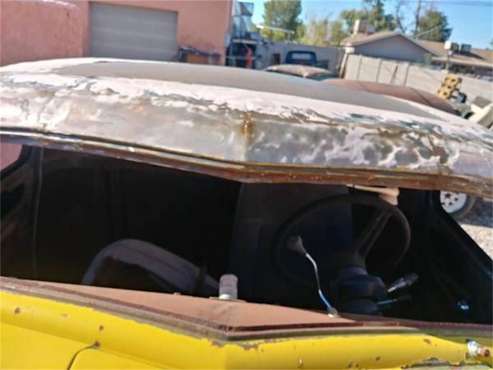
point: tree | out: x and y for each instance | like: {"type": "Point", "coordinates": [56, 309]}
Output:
{"type": "Point", "coordinates": [343, 26]}
{"type": "Point", "coordinates": [401, 9]}
{"type": "Point", "coordinates": [315, 32]}
{"type": "Point", "coordinates": [373, 13]}
{"type": "Point", "coordinates": [417, 18]}
{"type": "Point", "coordinates": [427, 23]}
{"type": "Point", "coordinates": [349, 18]}
{"type": "Point", "coordinates": [282, 15]}
{"type": "Point", "coordinates": [337, 33]}
{"type": "Point", "coordinates": [433, 25]}
{"type": "Point", "coordinates": [377, 17]}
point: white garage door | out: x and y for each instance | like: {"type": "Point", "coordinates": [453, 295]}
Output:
{"type": "Point", "coordinates": [131, 32]}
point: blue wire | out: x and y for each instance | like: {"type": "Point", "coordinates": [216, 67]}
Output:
{"type": "Point", "coordinates": [325, 301]}
{"type": "Point", "coordinates": [330, 309]}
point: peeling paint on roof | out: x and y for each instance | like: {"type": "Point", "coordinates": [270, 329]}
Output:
{"type": "Point", "coordinates": [232, 125]}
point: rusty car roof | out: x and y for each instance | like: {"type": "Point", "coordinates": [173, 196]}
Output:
{"type": "Point", "coordinates": [244, 125]}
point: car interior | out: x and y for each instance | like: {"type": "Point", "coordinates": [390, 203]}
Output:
{"type": "Point", "coordinates": [88, 219]}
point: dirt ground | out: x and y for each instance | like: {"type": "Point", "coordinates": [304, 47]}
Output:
{"type": "Point", "coordinates": [479, 225]}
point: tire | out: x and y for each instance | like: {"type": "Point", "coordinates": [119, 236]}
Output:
{"type": "Point", "coordinates": [457, 204]}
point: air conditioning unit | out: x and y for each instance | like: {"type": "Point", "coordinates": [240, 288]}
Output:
{"type": "Point", "coordinates": [451, 46]}
{"type": "Point", "coordinates": [465, 48]}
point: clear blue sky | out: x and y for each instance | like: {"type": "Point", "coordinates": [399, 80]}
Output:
{"type": "Point", "coordinates": [471, 20]}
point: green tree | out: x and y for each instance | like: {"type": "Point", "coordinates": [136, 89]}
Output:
{"type": "Point", "coordinates": [343, 26]}
{"type": "Point", "coordinates": [282, 15]}
{"type": "Point", "coordinates": [337, 33]}
{"type": "Point", "coordinates": [373, 13]}
{"type": "Point", "coordinates": [349, 18]}
{"type": "Point", "coordinates": [377, 17]}
{"type": "Point", "coordinates": [433, 25]}
{"type": "Point", "coordinates": [315, 32]}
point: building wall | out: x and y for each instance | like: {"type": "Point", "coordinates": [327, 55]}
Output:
{"type": "Point", "coordinates": [202, 24]}
{"type": "Point", "coordinates": [8, 153]}
{"type": "Point", "coordinates": [46, 29]}
{"type": "Point", "coordinates": [43, 29]}
{"type": "Point", "coordinates": [397, 48]}
{"type": "Point", "coordinates": [32, 30]}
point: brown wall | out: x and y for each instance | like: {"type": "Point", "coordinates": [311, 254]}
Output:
{"type": "Point", "coordinates": [44, 29]}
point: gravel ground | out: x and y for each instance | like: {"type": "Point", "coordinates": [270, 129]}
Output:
{"type": "Point", "coordinates": [479, 225]}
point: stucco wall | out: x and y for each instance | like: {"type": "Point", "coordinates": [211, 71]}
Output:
{"type": "Point", "coordinates": [8, 153]}
{"type": "Point", "coordinates": [43, 29]}
{"type": "Point", "coordinates": [396, 48]}
{"type": "Point", "coordinates": [32, 30]}
{"type": "Point", "coordinates": [201, 23]}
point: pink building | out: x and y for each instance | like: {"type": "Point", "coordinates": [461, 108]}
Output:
{"type": "Point", "coordinates": [140, 29]}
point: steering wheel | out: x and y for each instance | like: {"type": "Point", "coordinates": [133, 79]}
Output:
{"type": "Point", "coordinates": [354, 255]}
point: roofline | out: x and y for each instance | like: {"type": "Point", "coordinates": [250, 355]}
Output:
{"type": "Point", "coordinates": [389, 35]}
{"type": "Point", "coordinates": [452, 60]}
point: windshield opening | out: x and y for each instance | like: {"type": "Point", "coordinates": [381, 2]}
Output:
{"type": "Point", "coordinates": [109, 222]}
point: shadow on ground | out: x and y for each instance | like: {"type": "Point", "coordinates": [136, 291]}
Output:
{"type": "Point", "coordinates": [479, 225]}
{"type": "Point", "coordinates": [480, 215]}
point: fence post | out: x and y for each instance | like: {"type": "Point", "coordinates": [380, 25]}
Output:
{"type": "Point", "coordinates": [379, 68]}
{"type": "Point", "coordinates": [359, 67]}
{"type": "Point", "coordinates": [394, 73]}
{"type": "Point", "coordinates": [406, 75]}
{"type": "Point", "coordinates": [342, 65]}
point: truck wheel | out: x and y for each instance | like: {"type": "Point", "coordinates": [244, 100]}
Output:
{"type": "Point", "coordinates": [457, 204]}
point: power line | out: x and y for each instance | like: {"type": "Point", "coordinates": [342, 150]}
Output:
{"type": "Point", "coordinates": [477, 3]}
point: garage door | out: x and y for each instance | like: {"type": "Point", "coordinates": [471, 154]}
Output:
{"type": "Point", "coordinates": [131, 32]}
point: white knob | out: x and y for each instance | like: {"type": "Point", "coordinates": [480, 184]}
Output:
{"type": "Point", "coordinates": [228, 287]}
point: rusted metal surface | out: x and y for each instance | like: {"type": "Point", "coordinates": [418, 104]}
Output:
{"type": "Point", "coordinates": [238, 133]}
{"type": "Point", "coordinates": [298, 70]}
{"type": "Point", "coordinates": [225, 319]}
{"type": "Point", "coordinates": [401, 92]}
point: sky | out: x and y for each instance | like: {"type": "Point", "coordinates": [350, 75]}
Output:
{"type": "Point", "coordinates": [471, 20]}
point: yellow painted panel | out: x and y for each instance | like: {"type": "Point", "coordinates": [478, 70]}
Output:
{"type": "Point", "coordinates": [162, 347]}
{"type": "Point", "coordinates": [22, 348]}
{"type": "Point", "coordinates": [96, 359]}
